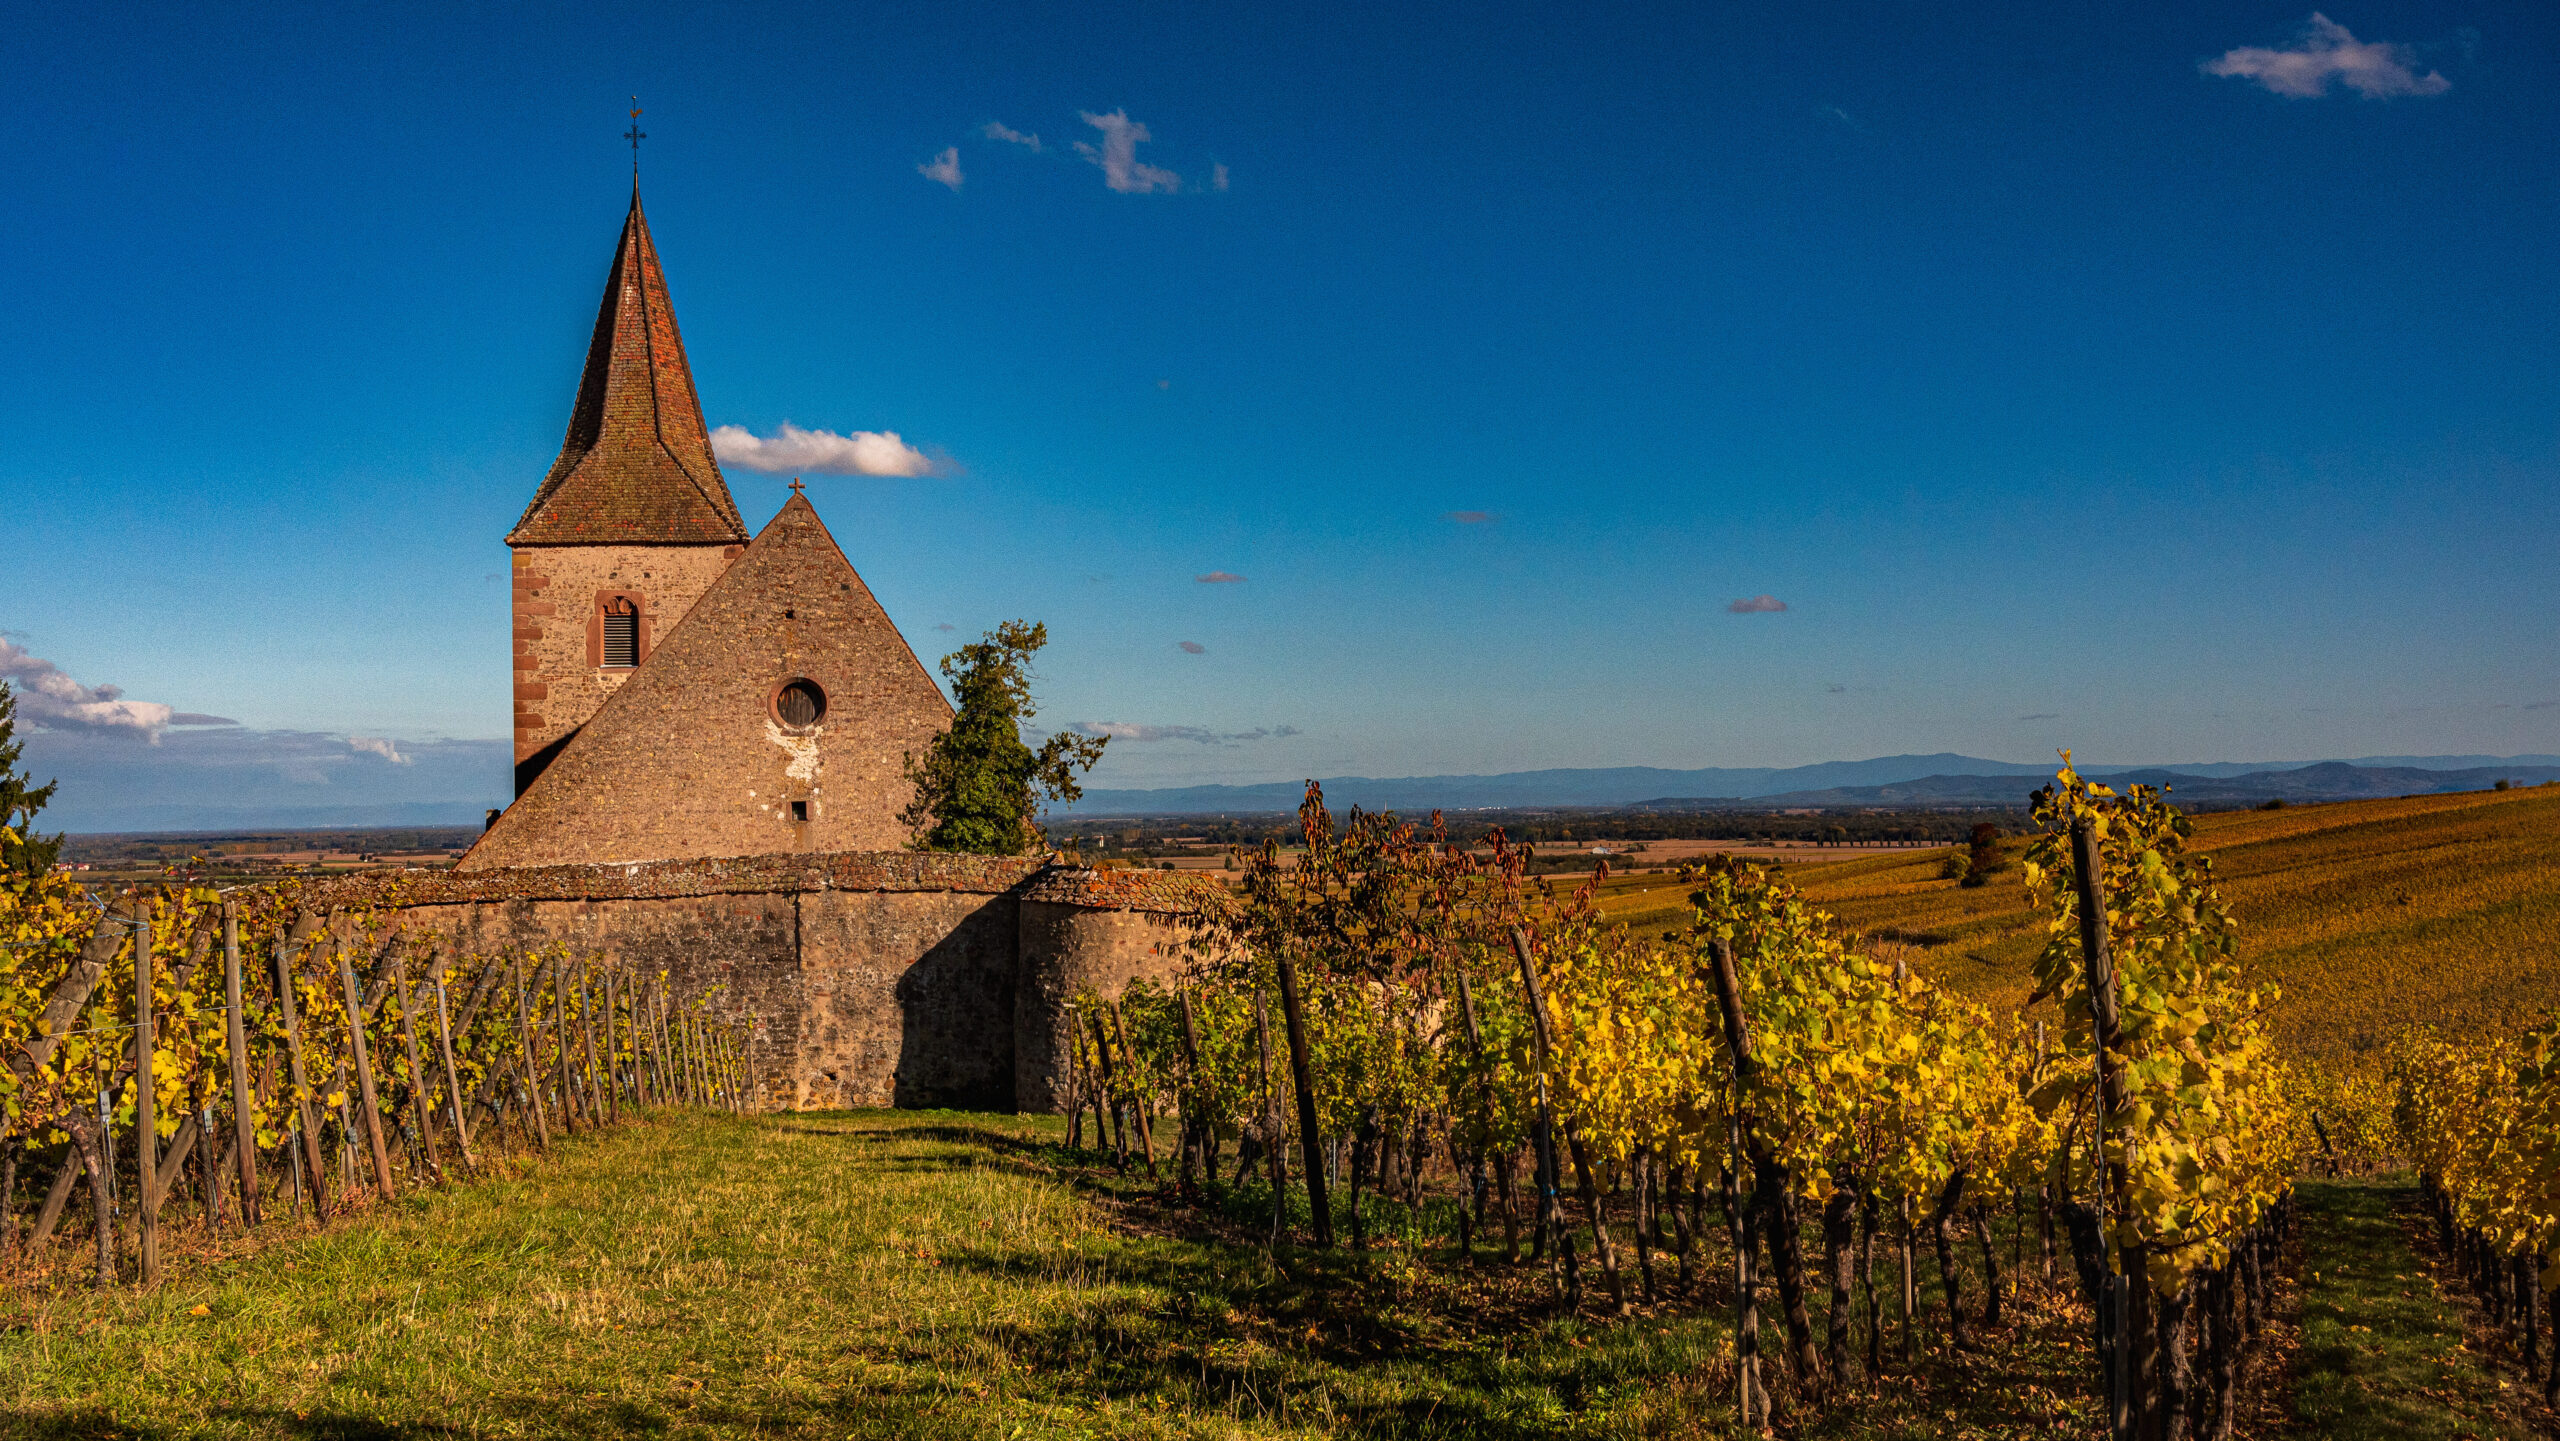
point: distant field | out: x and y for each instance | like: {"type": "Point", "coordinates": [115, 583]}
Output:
{"type": "Point", "coordinates": [2369, 914]}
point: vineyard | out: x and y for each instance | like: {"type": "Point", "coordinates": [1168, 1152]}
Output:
{"type": "Point", "coordinates": [1416, 1144]}
{"type": "Point", "coordinates": [216, 1063]}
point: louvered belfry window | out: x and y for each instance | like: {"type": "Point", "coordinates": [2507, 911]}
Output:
{"type": "Point", "coordinates": [621, 634]}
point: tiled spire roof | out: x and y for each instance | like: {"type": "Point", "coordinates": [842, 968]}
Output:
{"type": "Point", "coordinates": [636, 467]}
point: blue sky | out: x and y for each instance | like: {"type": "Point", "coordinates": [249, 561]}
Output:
{"type": "Point", "coordinates": [2063, 390]}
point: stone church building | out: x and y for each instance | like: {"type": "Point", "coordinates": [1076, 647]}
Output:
{"type": "Point", "coordinates": [710, 740]}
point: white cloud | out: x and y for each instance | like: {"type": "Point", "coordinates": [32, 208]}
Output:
{"type": "Point", "coordinates": [377, 746]}
{"type": "Point", "coordinates": [1118, 156]}
{"type": "Point", "coordinates": [1220, 577]}
{"type": "Point", "coordinates": [1198, 735]}
{"type": "Point", "coordinates": [1757, 605]}
{"type": "Point", "coordinates": [998, 130]}
{"type": "Point", "coordinates": [819, 452]}
{"type": "Point", "coordinates": [49, 699]}
{"type": "Point", "coordinates": [2326, 52]}
{"type": "Point", "coordinates": [944, 168]}
{"type": "Point", "coordinates": [1218, 176]}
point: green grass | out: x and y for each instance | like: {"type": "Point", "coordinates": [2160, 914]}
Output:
{"type": "Point", "coordinates": [2382, 1350]}
{"type": "Point", "coordinates": [863, 1274]}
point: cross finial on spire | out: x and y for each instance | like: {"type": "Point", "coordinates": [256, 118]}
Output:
{"type": "Point", "coordinates": [795, 485]}
{"type": "Point", "coordinates": [635, 135]}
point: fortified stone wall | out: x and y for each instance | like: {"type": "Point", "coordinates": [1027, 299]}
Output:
{"type": "Point", "coordinates": [869, 978]}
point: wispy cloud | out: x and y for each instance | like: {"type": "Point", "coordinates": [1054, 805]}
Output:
{"type": "Point", "coordinates": [52, 700]}
{"type": "Point", "coordinates": [819, 452]}
{"type": "Point", "coordinates": [2326, 53]}
{"type": "Point", "coordinates": [1220, 577]}
{"type": "Point", "coordinates": [198, 718]}
{"type": "Point", "coordinates": [1118, 156]}
{"type": "Point", "coordinates": [1757, 605]}
{"type": "Point", "coordinates": [944, 625]}
{"type": "Point", "coordinates": [2042, 715]}
{"type": "Point", "coordinates": [232, 776]}
{"type": "Point", "coordinates": [1835, 113]}
{"type": "Point", "coordinates": [1218, 176]}
{"type": "Point", "coordinates": [1192, 647]}
{"type": "Point", "coordinates": [998, 130]}
{"type": "Point", "coordinates": [944, 169]}
{"type": "Point", "coordinates": [1470, 517]}
{"type": "Point", "coordinates": [1197, 735]}
{"type": "Point", "coordinates": [377, 746]}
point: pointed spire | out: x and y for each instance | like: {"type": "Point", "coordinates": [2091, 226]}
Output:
{"type": "Point", "coordinates": [636, 467]}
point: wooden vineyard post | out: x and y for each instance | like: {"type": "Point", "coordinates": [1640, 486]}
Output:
{"type": "Point", "coordinates": [1194, 1128]}
{"type": "Point", "coordinates": [1302, 1076]}
{"type": "Point", "coordinates": [1278, 1152]}
{"type": "Point", "coordinates": [587, 1038]}
{"type": "Point", "coordinates": [420, 1105]}
{"type": "Point", "coordinates": [569, 1103]}
{"type": "Point", "coordinates": [2115, 1345]}
{"type": "Point", "coordinates": [244, 1122]}
{"type": "Point", "coordinates": [1484, 1118]}
{"type": "Point", "coordinates": [291, 1015]}
{"type": "Point", "coordinates": [700, 1063]}
{"type": "Point", "coordinates": [737, 1071]}
{"type": "Point", "coordinates": [1110, 1070]}
{"type": "Point", "coordinates": [452, 1079]}
{"type": "Point", "coordinates": [662, 1081]}
{"type": "Point", "coordinates": [1572, 1131]}
{"type": "Point", "coordinates": [524, 1055]}
{"type": "Point", "coordinates": [612, 1053]}
{"type": "Point", "coordinates": [146, 1100]}
{"type": "Point", "coordinates": [1137, 1103]}
{"type": "Point", "coordinates": [364, 1070]}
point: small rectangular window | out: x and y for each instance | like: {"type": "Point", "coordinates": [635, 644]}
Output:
{"type": "Point", "coordinates": [622, 639]}
{"type": "Point", "coordinates": [799, 810]}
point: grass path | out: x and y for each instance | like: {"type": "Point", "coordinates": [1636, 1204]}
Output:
{"type": "Point", "coordinates": [2389, 1343]}
{"type": "Point", "coordinates": [868, 1274]}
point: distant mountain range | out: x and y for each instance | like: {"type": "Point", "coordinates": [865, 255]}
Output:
{"type": "Point", "coordinates": [1901, 781]}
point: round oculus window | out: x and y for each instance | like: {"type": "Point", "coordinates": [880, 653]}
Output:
{"type": "Point", "coordinates": [800, 704]}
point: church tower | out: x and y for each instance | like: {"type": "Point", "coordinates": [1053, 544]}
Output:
{"type": "Point", "coordinates": [632, 524]}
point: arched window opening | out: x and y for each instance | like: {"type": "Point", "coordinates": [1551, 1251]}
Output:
{"type": "Point", "coordinates": [621, 634]}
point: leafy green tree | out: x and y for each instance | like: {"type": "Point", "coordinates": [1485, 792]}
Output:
{"type": "Point", "coordinates": [974, 786]}
{"type": "Point", "coordinates": [1982, 855]}
{"type": "Point", "coordinates": [24, 855]}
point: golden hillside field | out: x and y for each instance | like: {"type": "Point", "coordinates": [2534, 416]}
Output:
{"type": "Point", "coordinates": [2369, 914]}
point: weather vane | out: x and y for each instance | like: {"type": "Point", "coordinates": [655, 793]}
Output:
{"type": "Point", "coordinates": [635, 135]}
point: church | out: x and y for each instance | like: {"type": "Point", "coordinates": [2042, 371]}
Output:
{"type": "Point", "coordinates": [711, 733]}
{"type": "Point", "coordinates": [680, 689]}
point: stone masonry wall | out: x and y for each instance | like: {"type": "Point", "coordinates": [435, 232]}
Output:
{"type": "Point", "coordinates": [870, 978]}
{"type": "Point", "coordinates": [557, 686]}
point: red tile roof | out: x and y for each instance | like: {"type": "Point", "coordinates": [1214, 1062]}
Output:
{"type": "Point", "coordinates": [636, 467]}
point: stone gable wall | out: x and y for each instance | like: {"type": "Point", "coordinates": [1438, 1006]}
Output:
{"type": "Point", "coordinates": [557, 686]}
{"type": "Point", "coordinates": [687, 758]}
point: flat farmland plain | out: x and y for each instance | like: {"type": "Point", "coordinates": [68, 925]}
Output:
{"type": "Point", "coordinates": [2369, 915]}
